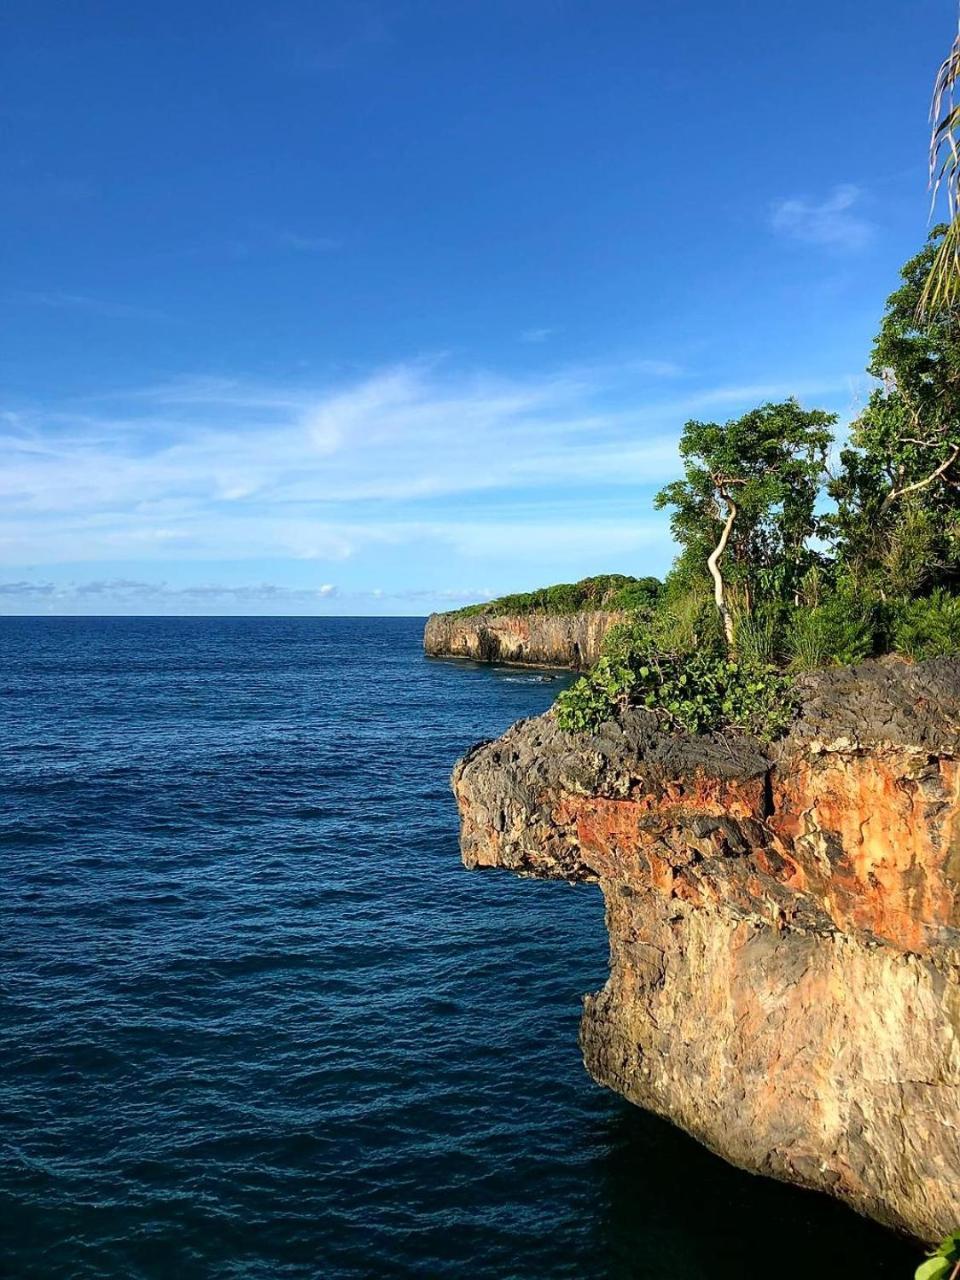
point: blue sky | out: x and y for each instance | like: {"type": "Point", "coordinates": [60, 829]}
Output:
{"type": "Point", "coordinates": [382, 307]}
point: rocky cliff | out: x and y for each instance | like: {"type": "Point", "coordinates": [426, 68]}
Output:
{"type": "Point", "coordinates": [784, 925]}
{"type": "Point", "coordinates": [538, 639]}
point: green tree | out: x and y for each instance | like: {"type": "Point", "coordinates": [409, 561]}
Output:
{"type": "Point", "coordinates": [747, 504]}
{"type": "Point", "coordinates": [903, 465]}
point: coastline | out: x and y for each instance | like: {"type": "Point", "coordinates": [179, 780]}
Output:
{"type": "Point", "coordinates": [570, 641]}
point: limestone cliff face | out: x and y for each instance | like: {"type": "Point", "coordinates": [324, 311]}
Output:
{"type": "Point", "coordinates": [556, 640]}
{"type": "Point", "coordinates": [784, 926]}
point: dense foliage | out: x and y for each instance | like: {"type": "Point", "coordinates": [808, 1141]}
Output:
{"type": "Point", "coordinates": [784, 567]}
{"type": "Point", "coordinates": [614, 592]}
{"type": "Point", "coordinates": [749, 493]}
{"type": "Point", "coordinates": [897, 493]}
{"type": "Point", "coordinates": [701, 692]}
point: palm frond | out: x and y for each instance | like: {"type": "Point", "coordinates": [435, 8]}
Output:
{"type": "Point", "coordinates": [942, 287]}
{"type": "Point", "coordinates": [944, 122]}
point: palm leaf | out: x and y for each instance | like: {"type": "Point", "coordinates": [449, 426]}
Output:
{"type": "Point", "coordinates": [942, 287]}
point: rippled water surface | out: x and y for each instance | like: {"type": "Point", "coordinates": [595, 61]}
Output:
{"type": "Point", "coordinates": [257, 1021]}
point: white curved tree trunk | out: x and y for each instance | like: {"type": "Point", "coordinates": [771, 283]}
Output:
{"type": "Point", "coordinates": [713, 564]}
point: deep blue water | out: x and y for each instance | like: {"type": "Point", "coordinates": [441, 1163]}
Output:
{"type": "Point", "coordinates": [256, 1019]}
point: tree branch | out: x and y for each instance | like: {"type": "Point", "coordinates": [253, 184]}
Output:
{"type": "Point", "coordinates": [947, 463]}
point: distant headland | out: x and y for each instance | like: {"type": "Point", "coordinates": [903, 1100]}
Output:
{"type": "Point", "coordinates": [560, 626]}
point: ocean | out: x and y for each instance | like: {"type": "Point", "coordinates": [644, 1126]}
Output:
{"type": "Point", "coordinates": [257, 1021]}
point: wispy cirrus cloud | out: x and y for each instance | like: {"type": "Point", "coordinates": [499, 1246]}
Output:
{"type": "Point", "coordinates": [216, 469]}
{"type": "Point", "coordinates": [110, 310]}
{"type": "Point", "coordinates": [833, 222]}
{"type": "Point", "coordinates": [131, 589]}
{"type": "Point", "coordinates": [256, 241]}
{"type": "Point", "coordinates": [308, 243]}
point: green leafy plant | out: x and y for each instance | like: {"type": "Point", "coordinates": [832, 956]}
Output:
{"type": "Point", "coordinates": [685, 620]}
{"type": "Point", "coordinates": [702, 693]}
{"type": "Point", "coordinates": [757, 634]}
{"type": "Point", "coordinates": [595, 697]}
{"type": "Point", "coordinates": [928, 627]}
{"type": "Point", "coordinates": [841, 629]}
{"type": "Point", "coordinates": [913, 551]}
{"type": "Point", "coordinates": [609, 591]}
{"type": "Point", "coordinates": [944, 1264]}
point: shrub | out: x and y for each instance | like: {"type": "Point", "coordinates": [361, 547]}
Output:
{"type": "Point", "coordinates": [613, 591]}
{"type": "Point", "coordinates": [684, 621]}
{"type": "Point", "coordinates": [841, 629]}
{"type": "Point", "coordinates": [910, 551]}
{"type": "Point", "coordinates": [928, 627]}
{"type": "Point", "coordinates": [757, 635]}
{"type": "Point", "coordinates": [707, 691]}
{"type": "Point", "coordinates": [635, 597]}
{"type": "Point", "coordinates": [630, 641]}
{"type": "Point", "coordinates": [595, 697]}
{"type": "Point", "coordinates": [701, 692]}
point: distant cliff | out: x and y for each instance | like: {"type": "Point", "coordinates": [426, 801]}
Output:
{"type": "Point", "coordinates": [556, 640]}
{"type": "Point", "coordinates": [784, 925]}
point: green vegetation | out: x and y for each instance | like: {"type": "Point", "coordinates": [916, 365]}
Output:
{"type": "Point", "coordinates": [614, 592]}
{"type": "Point", "coordinates": [929, 628]}
{"type": "Point", "coordinates": [785, 565]}
{"type": "Point", "coordinates": [944, 1263]}
{"type": "Point", "coordinates": [748, 497]}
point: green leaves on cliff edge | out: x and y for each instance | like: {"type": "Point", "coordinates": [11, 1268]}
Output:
{"type": "Point", "coordinates": [944, 1264]}
{"type": "Point", "coordinates": [701, 692]}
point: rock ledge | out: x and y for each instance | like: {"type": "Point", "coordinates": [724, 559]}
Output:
{"type": "Point", "coordinates": [784, 925]}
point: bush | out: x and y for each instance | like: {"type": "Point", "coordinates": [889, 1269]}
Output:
{"type": "Point", "coordinates": [928, 628]}
{"type": "Point", "coordinates": [701, 692]}
{"type": "Point", "coordinates": [611, 591]}
{"type": "Point", "coordinates": [629, 642]}
{"type": "Point", "coordinates": [684, 621]}
{"type": "Point", "coordinates": [636, 597]}
{"type": "Point", "coordinates": [596, 697]}
{"type": "Point", "coordinates": [707, 691]}
{"type": "Point", "coordinates": [911, 551]}
{"type": "Point", "coordinates": [757, 635]}
{"type": "Point", "coordinates": [841, 629]}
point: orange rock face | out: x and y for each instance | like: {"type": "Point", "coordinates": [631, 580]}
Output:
{"type": "Point", "coordinates": [784, 926]}
{"type": "Point", "coordinates": [565, 640]}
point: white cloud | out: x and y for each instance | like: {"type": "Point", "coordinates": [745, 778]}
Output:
{"type": "Point", "coordinates": [658, 368]}
{"type": "Point", "coordinates": [309, 244]}
{"type": "Point", "coordinates": [536, 335]}
{"type": "Point", "coordinates": [832, 222]}
{"type": "Point", "coordinates": [92, 306]}
{"type": "Point", "coordinates": [214, 469]}
{"type": "Point", "coordinates": [162, 596]}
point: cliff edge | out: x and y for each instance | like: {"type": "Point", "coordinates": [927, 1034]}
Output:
{"type": "Point", "coordinates": [784, 925]}
{"type": "Point", "coordinates": [537, 639]}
